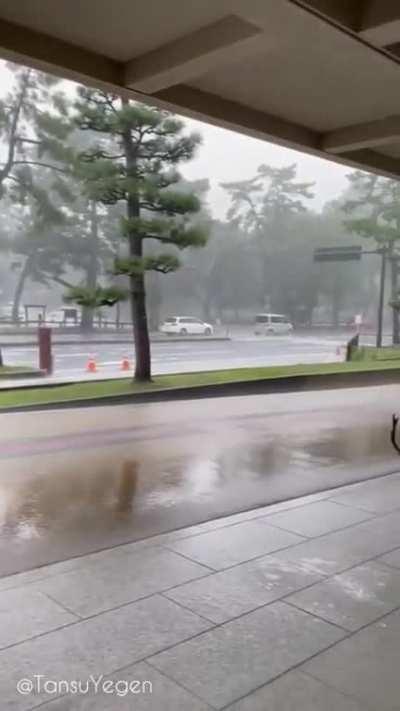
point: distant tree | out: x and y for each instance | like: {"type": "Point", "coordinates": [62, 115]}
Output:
{"type": "Point", "coordinates": [41, 247]}
{"type": "Point", "coordinates": [92, 229]}
{"type": "Point", "coordinates": [134, 162]}
{"type": "Point", "coordinates": [374, 210]}
{"type": "Point", "coordinates": [34, 126]}
{"type": "Point", "coordinates": [263, 206]}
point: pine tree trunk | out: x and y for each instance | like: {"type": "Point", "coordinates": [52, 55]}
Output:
{"type": "Point", "coordinates": [92, 268]}
{"type": "Point", "coordinates": [20, 288]}
{"type": "Point", "coordinates": [137, 281]}
{"type": "Point", "coordinates": [140, 326]}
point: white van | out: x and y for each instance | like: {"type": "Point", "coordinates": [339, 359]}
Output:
{"type": "Point", "coordinates": [266, 324]}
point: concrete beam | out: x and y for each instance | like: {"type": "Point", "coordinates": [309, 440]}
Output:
{"type": "Point", "coordinates": [380, 22]}
{"type": "Point", "coordinates": [373, 162]}
{"type": "Point", "coordinates": [343, 12]}
{"type": "Point", "coordinates": [201, 105]}
{"type": "Point", "coordinates": [354, 138]}
{"type": "Point", "coordinates": [229, 114]}
{"type": "Point", "coordinates": [48, 54]}
{"type": "Point", "coordinates": [189, 56]}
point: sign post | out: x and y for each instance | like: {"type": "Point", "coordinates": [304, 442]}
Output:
{"type": "Point", "coordinates": [45, 352]}
{"type": "Point", "coordinates": [354, 253]}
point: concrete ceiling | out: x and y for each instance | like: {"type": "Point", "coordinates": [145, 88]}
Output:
{"type": "Point", "coordinates": [317, 75]}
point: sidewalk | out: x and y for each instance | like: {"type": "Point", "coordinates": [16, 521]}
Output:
{"type": "Point", "coordinates": [293, 606]}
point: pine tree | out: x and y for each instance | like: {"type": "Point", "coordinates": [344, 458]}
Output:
{"type": "Point", "coordinates": [134, 162]}
{"type": "Point", "coordinates": [34, 126]}
{"type": "Point", "coordinates": [262, 206]}
{"type": "Point", "coordinates": [40, 241]}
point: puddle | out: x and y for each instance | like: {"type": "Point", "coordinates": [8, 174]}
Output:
{"type": "Point", "coordinates": [54, 506]}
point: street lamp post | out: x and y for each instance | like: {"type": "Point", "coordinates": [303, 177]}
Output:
{"type": "Point", "coordinates": [379, 332]}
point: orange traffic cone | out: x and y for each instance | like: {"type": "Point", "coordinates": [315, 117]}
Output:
{"type": "Point", "coordinates": [91, 366]}
{"type": "Point", "coordinates": [125, 365]}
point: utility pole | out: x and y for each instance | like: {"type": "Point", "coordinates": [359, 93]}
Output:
{"type": "Point", "coordinates": [383, 253]}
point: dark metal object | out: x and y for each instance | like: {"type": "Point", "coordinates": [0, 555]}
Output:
{"type": "Point", "coordinates": [395, 420]}
{"type": "Point", "coordinates": [338, 254]}
{"type": "Point", "coordinates": [381, 303]}
{"type": "Point", "coordinates": [352, 343]}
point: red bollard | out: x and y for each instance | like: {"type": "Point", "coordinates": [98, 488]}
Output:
{"type": "Point", "coordinates": [45, 354]}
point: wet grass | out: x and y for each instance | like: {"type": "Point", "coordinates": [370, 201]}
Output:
{"type": "Point", "coordinates": [110, 388]}
{"type": "Point", "coordinates": [368, 353]}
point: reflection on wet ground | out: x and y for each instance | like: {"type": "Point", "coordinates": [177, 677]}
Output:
{"type": "Point", "coordinates": [70, 493]}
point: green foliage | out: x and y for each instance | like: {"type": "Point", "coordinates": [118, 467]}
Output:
{"type": "Point", "coordinates": [271, 194]}
{"type": "Point", "coordinates": [374, 204]}
{"type": "Point", "coordinates": [95, 298]}
{"type": "Point", "coordinates": [367, 227]}
{"type": "Point", "coordinates": [135, 266]}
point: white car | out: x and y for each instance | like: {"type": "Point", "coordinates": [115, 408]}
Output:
{"type": "Point", "coordinates": [186, 325]}
{"type": "Point", "coordinates": [267, 324]}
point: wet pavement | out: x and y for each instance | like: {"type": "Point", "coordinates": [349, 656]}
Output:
{"type": "Point", "coordinates": [78, 481]}
{"type": "Point", "coordinates": [290, 606]}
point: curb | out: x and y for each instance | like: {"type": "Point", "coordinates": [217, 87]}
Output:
{"type": "Point", "coordinates": [293, 383]}
{"type": "Point", "coordinates": [21, 375]}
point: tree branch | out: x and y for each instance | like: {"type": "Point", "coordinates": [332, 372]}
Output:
{"type": "Point", "coordinates": [13, 130]}
{"type": "Point", "coordinates": [61, 281]}
{"type": "Point", "coordinates": [41, 165]}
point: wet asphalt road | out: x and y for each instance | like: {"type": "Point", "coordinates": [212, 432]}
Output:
{"type": "Point", "coordinates": [241, 351]}
{"type": "Point", "coordinates": [77, 481]}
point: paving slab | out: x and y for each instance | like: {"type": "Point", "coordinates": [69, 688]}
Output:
{"type": "Point", "coordinates": [108, 583]}
{"type": "Point", "coordinates": [317, 518]}
{"type": "Point", "coordinates": [228, 546]}
{"type": "Point", "coordinates": [25, 613]}
{"type": "Point", "coordinates": [295, 691]}
{"type": "Point", "coordinates": [365, 665]}
{"type": "Point", "coordinates": [136, 688]}
{"type": "Point", "coordinates": [233, 592]}
{"type": "Point", "coordinates": [228, 662]}
{"type": "Point", "coordinates": [99, 645]}
{"type": "Point", "coordinates": [377, 496]}
{"type": "Point", "coordinates": [353, 599]}
{"type": "Point", "coordinates": [337, 551]}
{"type": "Point", "coordinates": [392, 559]}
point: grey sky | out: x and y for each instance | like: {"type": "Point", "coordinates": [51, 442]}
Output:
{"type": "Point", "coordinates": [226, 156]}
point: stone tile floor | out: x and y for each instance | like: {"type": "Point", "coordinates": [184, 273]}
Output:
{"type": "Point", "coordinates": [292, 607]}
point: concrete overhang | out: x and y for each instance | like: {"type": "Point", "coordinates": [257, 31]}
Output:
{"type": "Point", "coordinates": [320, 76]}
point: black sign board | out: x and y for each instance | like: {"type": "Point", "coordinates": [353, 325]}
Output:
{"type": "Point", "coordinates": [338, 254]}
